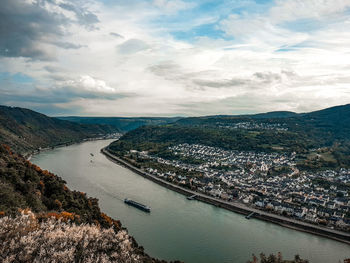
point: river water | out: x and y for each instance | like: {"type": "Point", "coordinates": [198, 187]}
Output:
{"type": "Point", "coordinates": [177, 228]}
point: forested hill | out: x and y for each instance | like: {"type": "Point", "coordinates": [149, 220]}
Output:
{"type": "Point", "coordinates": [327, 125]}
{"type": "Point", "coordinates": [124, 124]}
{"type": "Point", "coordinates": [24, 130]}
{"type": "Point", "coordinates": [333, 115]}
{"type": "Point", "coordinates": [324, 134]}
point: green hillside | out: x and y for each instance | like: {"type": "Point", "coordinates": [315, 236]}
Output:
{"type": "Point", "coordinates": [25, 185]}
{"type": "Point", "coordinates": [324, 133]}
{"type": "Point", "coordinates": [24, 130]}
{"type": "Point", "coordinates": [123, 124]}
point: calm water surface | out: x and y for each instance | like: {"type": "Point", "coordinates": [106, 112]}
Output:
{"type": "Point", "coordinates": [177, 228]}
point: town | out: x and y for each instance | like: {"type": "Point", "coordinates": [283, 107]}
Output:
{"type": "Point", "coordinates": [267, 181]}
{"type": "Point", "coordinates": [248, 125]}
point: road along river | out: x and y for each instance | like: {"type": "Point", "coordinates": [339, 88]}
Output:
{"type": "Point", "coordinates": [177, 228]}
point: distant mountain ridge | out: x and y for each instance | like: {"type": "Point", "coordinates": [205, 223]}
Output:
{"type": "Point", "coordinates": [334, 117]}
{"type": "Point", "coordinates": [274, 114]}
{"type": "Point", "coordinates": [124, 124]}
{"type": "Point", "coordinates": [25, 130]}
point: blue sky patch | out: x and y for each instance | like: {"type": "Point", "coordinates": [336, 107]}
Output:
{"type": "Point", "coordinates": [18, 77]}
{"type": "Point", "coordinates": [205, 30]}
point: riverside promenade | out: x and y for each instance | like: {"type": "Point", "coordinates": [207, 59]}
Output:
{"type": "Point", "coordinates": [238, 207]}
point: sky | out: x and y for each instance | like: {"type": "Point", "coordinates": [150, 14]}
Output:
{"type": "Point", "coordinates": [174, 57]}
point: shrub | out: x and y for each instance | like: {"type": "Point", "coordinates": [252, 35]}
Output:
{"type": "Point", "coordinates": [26, 239]}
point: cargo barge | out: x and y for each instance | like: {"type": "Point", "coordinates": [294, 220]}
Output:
{"type": "Point", "coordinates": [137, 205]}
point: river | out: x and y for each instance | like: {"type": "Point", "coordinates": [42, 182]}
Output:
{"type": "Point", "coordinates": [177, 228]}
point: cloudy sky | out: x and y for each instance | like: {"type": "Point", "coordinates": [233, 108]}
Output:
{"type": "Point", "coordinates": [174, 57]}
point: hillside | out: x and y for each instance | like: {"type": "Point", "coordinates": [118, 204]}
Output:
{"type": "Point", "coordinates": [144, 138]}
{"type": "Point", "coordinates": [122, 124]}
{"type": "Point", "coordinates": [27, 188]}
{"type": "Point", "coordinates": [324, 133]}
{"type": "Point", "coordinates": [25, 185]}
{"type": "Point", "coordinates": [322, 128]}
{"type": "Point", "coordinates": [274, 114]}
{"type": "Point", "coordinates": [25, 130]}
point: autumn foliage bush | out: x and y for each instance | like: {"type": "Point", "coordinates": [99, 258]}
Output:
{"type": "Point", "coordinates": [25, 238]}
{"type": "Point", "coordinates": [24, 184]}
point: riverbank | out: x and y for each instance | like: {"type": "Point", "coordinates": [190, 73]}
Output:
{"type": "Point", "coordinates": [238, 207]}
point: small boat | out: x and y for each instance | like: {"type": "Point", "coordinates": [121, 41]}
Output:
{"type": "Point", "coordinates": [192, 197]}
{"type": "Point", "coordinates": [137, 205]}
{"type": "Point", "coordinates": [250, 215]}
{"type": "Point", "coordinates": [91, 154]}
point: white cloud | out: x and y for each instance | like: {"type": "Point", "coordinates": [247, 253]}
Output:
{"type": "Point", "coordinates": [88, 83]}
{"type": "Point", "coordinates": [147, 71]}
{"type": "Point", "coordinates": [172, 6]}
{"type": "Point", "coordinates": [132, 46]}
{"type": "Point", "coordinates": [291, 10]}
